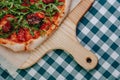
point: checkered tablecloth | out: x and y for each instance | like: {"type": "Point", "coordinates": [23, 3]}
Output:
{"type": "Point", "coordinates": [98, 31]}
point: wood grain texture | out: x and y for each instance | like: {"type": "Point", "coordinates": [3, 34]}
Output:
{"type": "Point", "coordinates": [65, 38]}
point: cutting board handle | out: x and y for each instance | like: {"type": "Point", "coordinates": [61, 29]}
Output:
{"type": "Point", "coordinates": [66, 37]}
{"type": "Point", "coordinates": [66, 40]}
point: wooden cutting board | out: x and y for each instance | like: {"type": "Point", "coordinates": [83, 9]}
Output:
{"type": "Point", "coordinates": [64, 38]}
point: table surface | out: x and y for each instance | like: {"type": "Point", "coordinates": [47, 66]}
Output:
{"type": "Point", "coordinates": [98, 31]}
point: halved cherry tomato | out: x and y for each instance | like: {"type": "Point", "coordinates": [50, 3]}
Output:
{"type": "Point", "coordinates": [24, 35]}
{"type": "Point", "coordinates": [28, 36]}
{"type": "Point", "coordinates": [48, 1]}
{"type": "Point", "coordinates": [8, 16]}
{"type": "Point", "coordinates": [61, 0]}
{"type": "Point", "coordinates": [40, 14]}
{"type": "Point", "coordinates": [13, 37]}
{"type": "Point", "coordinates": [5, 23]}
{"type": "Point", "coordinates": [33, 1]}
{"type": "Point", "coordinates": [21, 35]}
{"type": "Point", "coordinates": [46, 25]}
{"type": "Point", "coordinates": [36, 34]}
{"type": "Point", "coordinates": [7, 27]}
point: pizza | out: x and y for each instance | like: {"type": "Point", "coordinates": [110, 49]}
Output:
{"type": "Point", "coordinates": [25, 24]}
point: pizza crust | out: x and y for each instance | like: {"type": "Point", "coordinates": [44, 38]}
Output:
{"type": "Point", "coordinates": [33, 43]}
{"type": "Point", "coordinates": [12, 45]}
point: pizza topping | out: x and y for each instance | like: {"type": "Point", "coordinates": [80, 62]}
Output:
{"type": "Point", "coordinates": [40, 15]}
{"type": "Point", "coordinates": [48, 1]}
{"type": "Point", "coordinates": [45, 26]}
{"type": "Point", "coordinates": [33, 19]}
{"type": "Point", "coordinates": [36, 34]}
{"type": "Point", "coordinates": [13, 37]}
{"type": "Point", "coordinates": [7, 27]}
{"type": "Point", "coordinates": [28, 36]}
{"type": "Point", "coordinates": [21, 35]}
{"type": "Point", "coordinates": [27, 19]}
{"type": "Point", "coordinates": [61, 0]}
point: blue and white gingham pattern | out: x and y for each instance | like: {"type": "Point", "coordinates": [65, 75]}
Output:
{"type": "Point", "coordinates": [98, 31]}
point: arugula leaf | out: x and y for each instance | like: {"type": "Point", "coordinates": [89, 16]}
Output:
{"type": "Point", "coordinates": [31, 32]}
{"type": "Point", "coordinates": [5, 35]}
